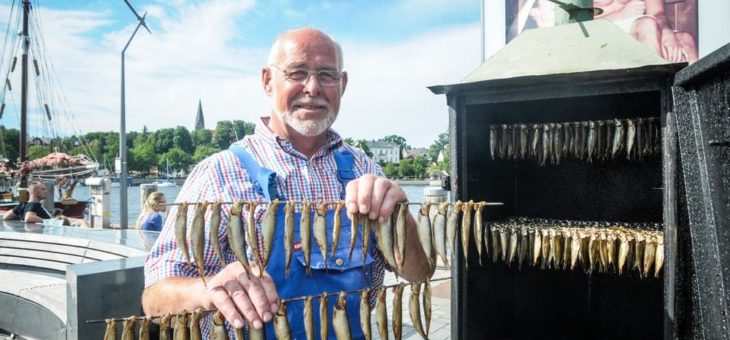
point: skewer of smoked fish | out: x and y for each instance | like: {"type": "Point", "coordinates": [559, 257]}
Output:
{"type": "Point", "coordinates": [602, 247]}
{"type": "Point", "coordinates": [599, 140]}
{"type": "Point", "coordinates": [435, 238]}
{"type": "Point", "coordinates": [187, 325]}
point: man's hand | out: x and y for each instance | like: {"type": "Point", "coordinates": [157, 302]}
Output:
{"type": "Point", "coordinates": [373, 196]}
{"type": "Point", "coordinates": [236, 295]}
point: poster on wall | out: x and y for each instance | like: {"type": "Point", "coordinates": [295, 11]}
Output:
{"type": "Point", "coordinates": [667, 27]}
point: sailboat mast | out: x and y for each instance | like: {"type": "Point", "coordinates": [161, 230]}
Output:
{"type": "Point", "coordinates": [24, 86]}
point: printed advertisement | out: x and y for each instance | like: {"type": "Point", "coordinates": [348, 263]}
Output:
{"type": "Point", "coordinates": [666, 27]}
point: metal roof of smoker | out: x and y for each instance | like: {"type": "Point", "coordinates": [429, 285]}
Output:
{"type": "Point", "coordinates": [597, 45]}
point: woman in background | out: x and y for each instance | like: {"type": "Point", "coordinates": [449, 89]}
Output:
{"type": "Point", "coordinates": [151, 216]}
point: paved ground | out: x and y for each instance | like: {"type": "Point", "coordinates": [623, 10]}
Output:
{"type": "Point", "coordinates": [440, 307]}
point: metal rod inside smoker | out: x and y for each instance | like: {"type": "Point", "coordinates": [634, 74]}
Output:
{"type": "Point", "coordinates": [289, 300]}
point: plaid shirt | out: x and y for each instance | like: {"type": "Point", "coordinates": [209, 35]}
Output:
{"type": "Point", "coordinates": [222, 177]}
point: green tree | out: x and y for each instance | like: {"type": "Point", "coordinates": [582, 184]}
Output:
{"type": "Point", "coordinates": [420, 166]}
{"type": "Point", "coordinates": [224, 134]}
{"type": "Point", "coordinates": [438, 145]}
{"type": "Point", "coordinates": [181, 139]}
{"type": "Point", "coordinates": [132, 137]}
{"type": "Point", "coordinates": [397, 140]}
{"type": "Point", "coordinates": [390, 170]}
{"type": "Point", "coordinates": [406, 168]}
{"type": "Point", "coordinates": [363, 144]}
{"type": "Point", "coordinates": [202, 137]}
{"type": "Point", "coordinates": [37, 151]}
{"type": "Point", "coordinates": [110, 147]}
{"type": "Point", "coordinates": [242, 128]}
{"type": "Point", "coordinates": [143, 157]}
{"type": "Point", "coordinates": [164, 140]}
{"type": "Point", "coordinates": [93, 149]}
{"type": "Point", "coordinates": [69, 143]}
{"type": "Point", "coordinates": [178, 159]}
{"type": "Point", "coordinates": [203, 151]}
{"type": "Point", "coordinates": [9, 147]}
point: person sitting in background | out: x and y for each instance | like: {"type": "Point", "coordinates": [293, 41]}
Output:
{"type": "Point", "coordinates": [151, 216]}
{"type": "Point", "coordinates": [31, 211]}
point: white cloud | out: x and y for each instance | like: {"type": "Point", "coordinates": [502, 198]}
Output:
{"type": "Point", "coordinates": [387, 92]}
{"type": "Point", "coordinates": [434, 7]}
{"type": "Point", "coordinates": [187, 57]}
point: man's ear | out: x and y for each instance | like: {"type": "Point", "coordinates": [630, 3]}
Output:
{"type": "Point", "coordinates": [266, 80]}
{"type": "Point", "coordinates": [344, 83]}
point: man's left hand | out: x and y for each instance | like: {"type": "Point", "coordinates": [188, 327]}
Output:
{"type": "Point", "coordinates": [373, 196]}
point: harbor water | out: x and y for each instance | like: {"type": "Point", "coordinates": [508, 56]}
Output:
{"type": "Point", "coordinates": [415, 194]}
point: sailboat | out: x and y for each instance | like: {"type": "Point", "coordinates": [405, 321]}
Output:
{"type": "Point", "coordinates": [49, 111]}
{"type": "Point", "coordinates": [166, 183]}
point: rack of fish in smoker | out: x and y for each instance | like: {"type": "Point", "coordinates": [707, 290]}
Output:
{"type": "Point", "coordinates": [436, 233]}
{"type": "Point", "coordinates": [603, 247]}
{"type": "Point", "coordinates": [186, 325]}
{"type": "Point", "coordinates": [600, 140]}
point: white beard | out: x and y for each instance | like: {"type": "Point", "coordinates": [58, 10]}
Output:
{"type": "Point", "coordinates": [308, 128]}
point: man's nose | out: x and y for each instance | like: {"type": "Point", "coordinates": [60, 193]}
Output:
{"type": "Point", "coordinates": [312, 85]}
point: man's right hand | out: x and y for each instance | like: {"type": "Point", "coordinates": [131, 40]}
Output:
{"type": "Point", "coordinates": [236, 295]}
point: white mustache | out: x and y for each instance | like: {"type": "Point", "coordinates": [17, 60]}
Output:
{"type": "Point", "coordinates": [311, 101]}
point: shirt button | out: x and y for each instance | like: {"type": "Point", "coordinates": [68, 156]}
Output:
{"type": "Point", "coordinates": [339, 262]}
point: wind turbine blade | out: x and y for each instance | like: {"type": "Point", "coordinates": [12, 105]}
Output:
{"type": "Point", "coordinates": [133, 11]}
{"type": "Point", "coordinates": [144, 23]}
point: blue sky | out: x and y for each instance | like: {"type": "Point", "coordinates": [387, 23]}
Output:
{"type": "Point", "coordinates": [214, 50]}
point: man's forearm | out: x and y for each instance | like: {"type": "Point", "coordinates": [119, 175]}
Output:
{"type": "Point", "coordinates": [172, 295]}
{"type": "Point", "coordinates": [32, 218]}
{"type": "Point", "coordinates": [9, 216]}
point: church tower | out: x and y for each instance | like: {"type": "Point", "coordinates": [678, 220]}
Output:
{"type": "Point", "coordinates": [199, 120]}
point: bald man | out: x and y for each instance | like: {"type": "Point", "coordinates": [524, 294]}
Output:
{"type": "Point", "coordinates": [292, 155]}
{"type": "Point", "coordinates": [31, 211]}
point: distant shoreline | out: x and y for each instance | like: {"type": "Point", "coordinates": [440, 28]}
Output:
{"type": "Point", "coordinates": [411, 182]}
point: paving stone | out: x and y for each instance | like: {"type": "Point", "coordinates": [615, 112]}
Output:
{"type": "Point", "coordinates": [440, 311]}
{"type": "Point", "coordinates": [444, 333]}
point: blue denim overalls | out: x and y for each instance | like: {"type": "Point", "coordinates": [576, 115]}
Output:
{"type": "Point", "coordinates": [340, 273]}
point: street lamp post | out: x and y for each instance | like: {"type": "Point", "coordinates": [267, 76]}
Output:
{"type": "Point", "coordinates": [123, 129]}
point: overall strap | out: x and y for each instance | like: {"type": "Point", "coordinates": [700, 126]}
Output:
{"type": "Point", "coordinates": [264, 180]}
{"type": "Point", "coordinates": [345, 163]}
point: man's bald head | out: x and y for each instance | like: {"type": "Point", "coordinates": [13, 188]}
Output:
{"type": "Point", "coordinates": [37, 190]}
{"type": "Point", "coordinates": [309, 38]}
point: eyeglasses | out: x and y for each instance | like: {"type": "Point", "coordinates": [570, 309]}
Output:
{"type": "Point", "coordinates": [326, 78]}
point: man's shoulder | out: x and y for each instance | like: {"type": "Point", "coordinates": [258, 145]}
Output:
{"type": "Point", "coordinates": [222, 158]}
{"type": "Point", "coordinates": [32, 205]}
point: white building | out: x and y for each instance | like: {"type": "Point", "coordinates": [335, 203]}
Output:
{"type": "Point", "coordinates": [385, 152]}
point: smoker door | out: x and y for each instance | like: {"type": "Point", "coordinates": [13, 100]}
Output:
{"type": "Point", "coordinates": [702, 103]}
